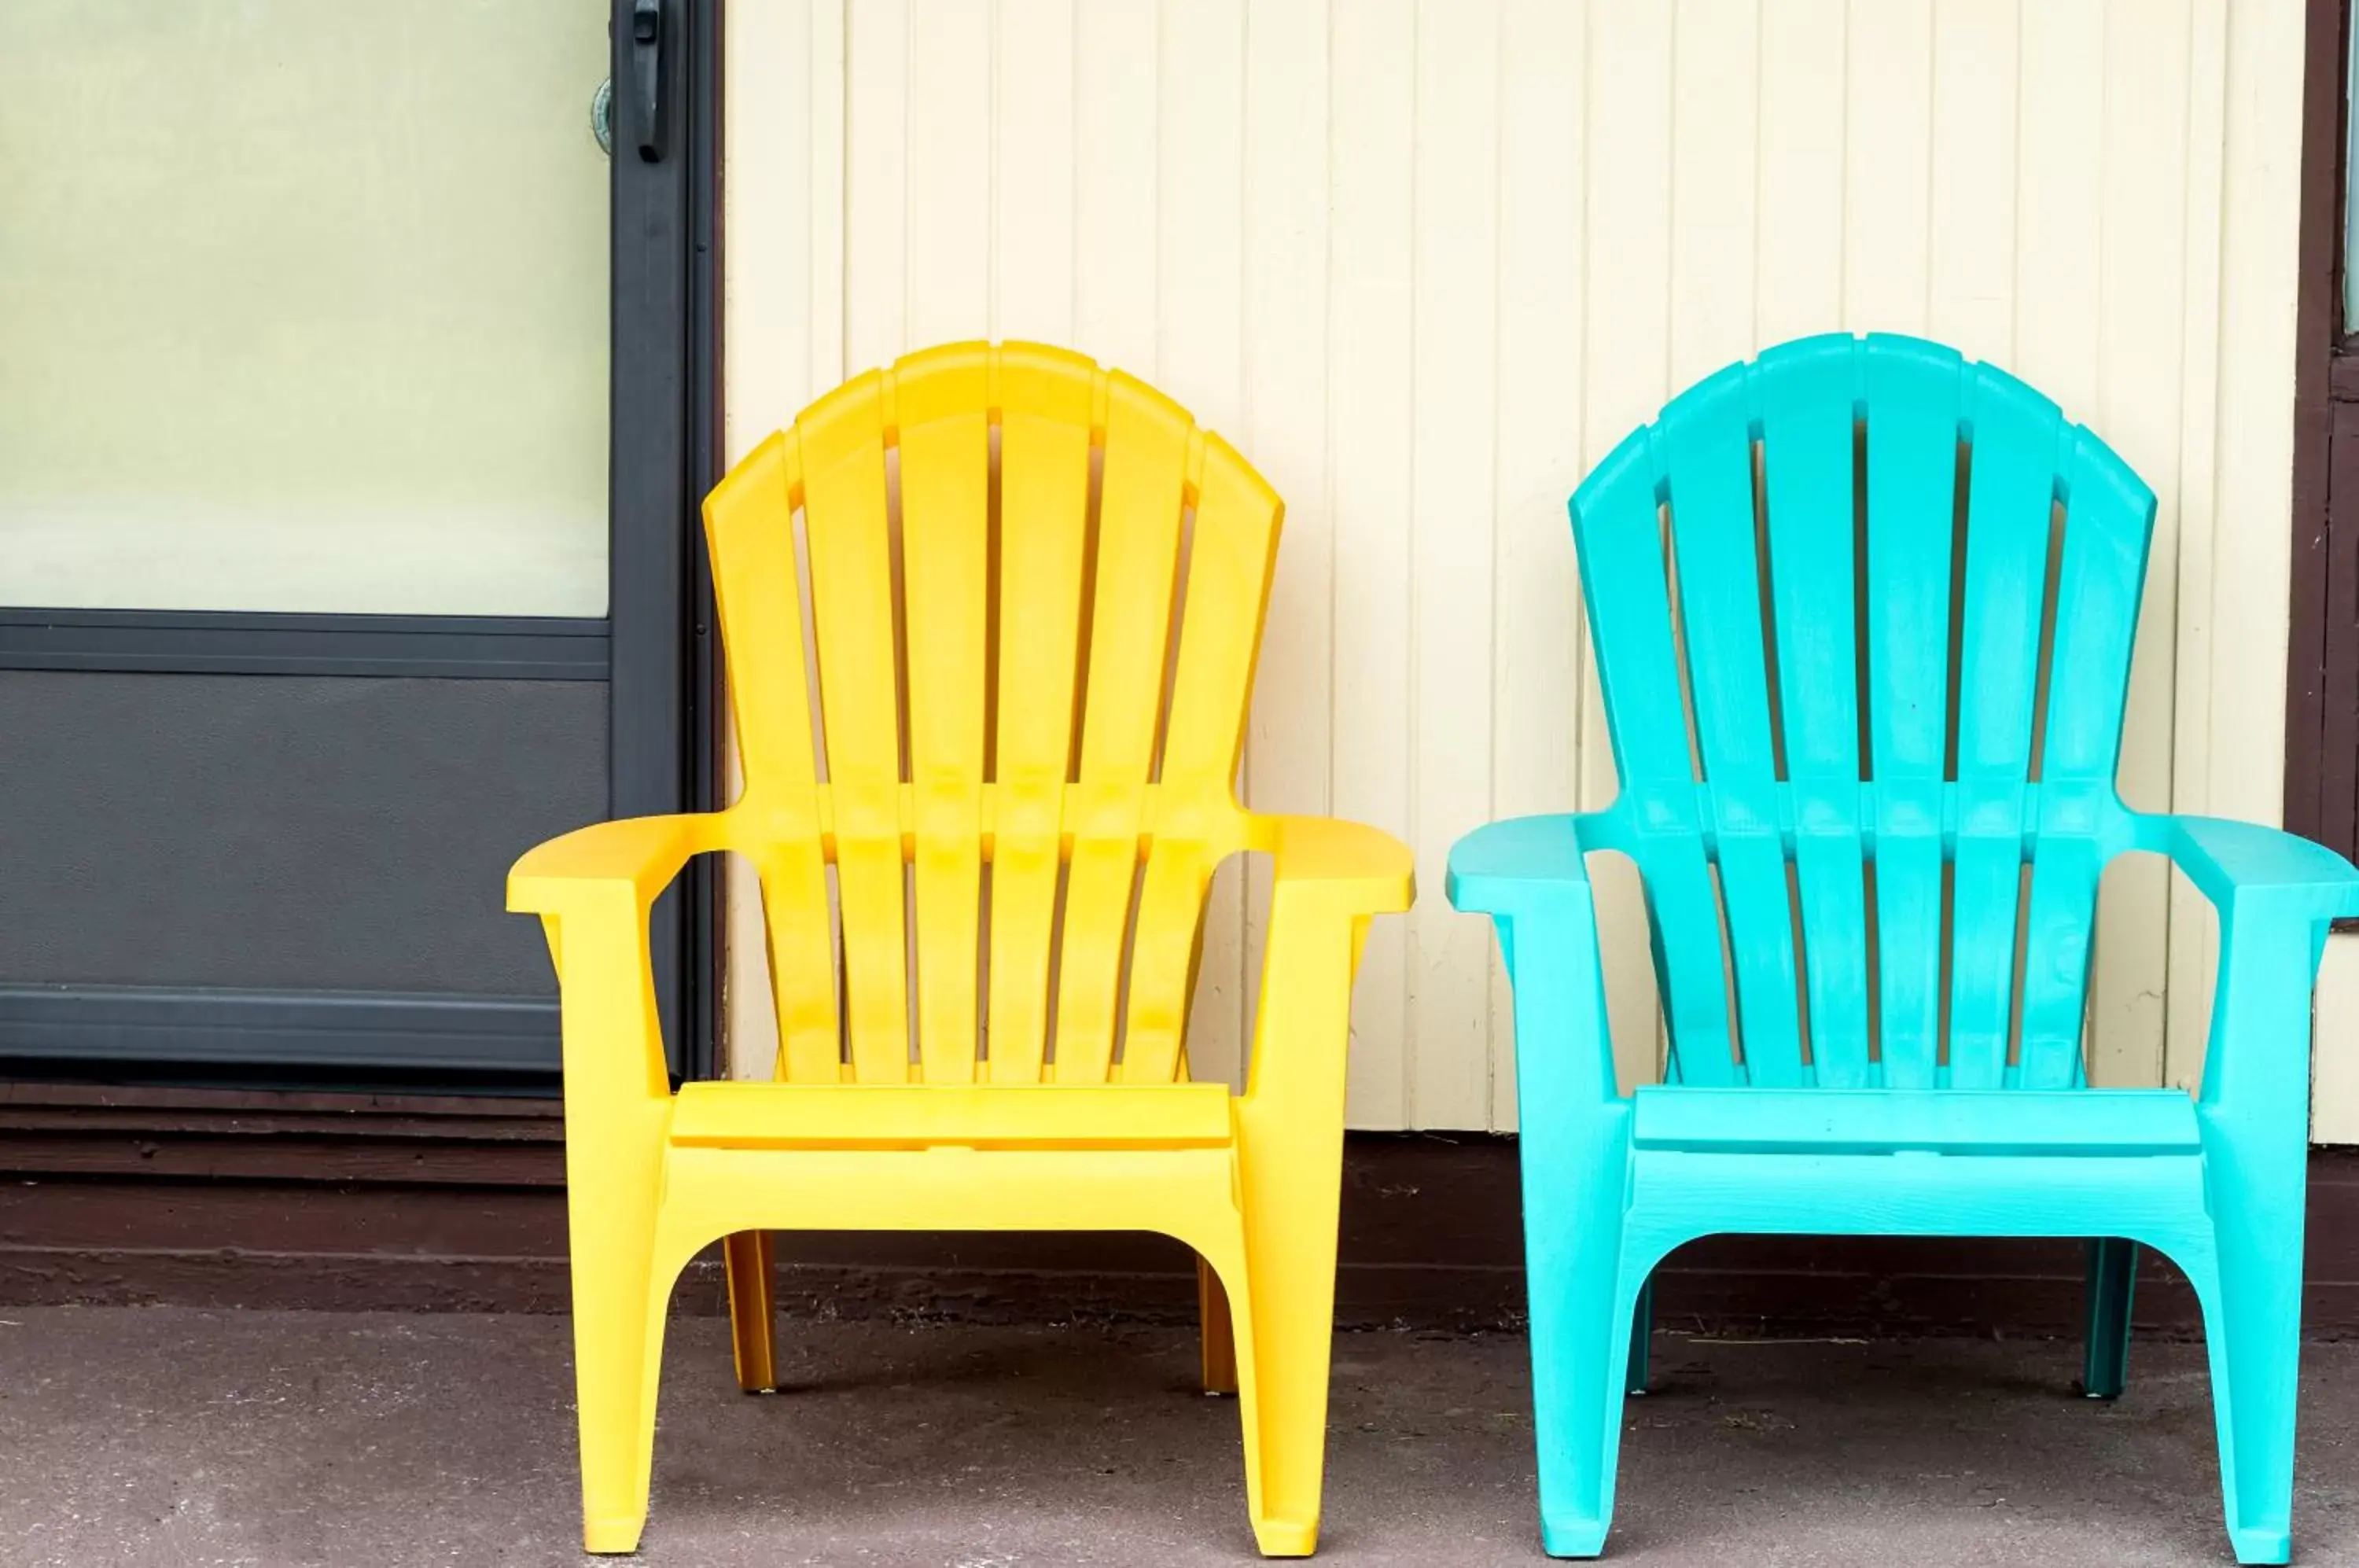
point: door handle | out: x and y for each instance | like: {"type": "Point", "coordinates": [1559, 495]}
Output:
{"type": "Point", "coordinates": [648, 76]}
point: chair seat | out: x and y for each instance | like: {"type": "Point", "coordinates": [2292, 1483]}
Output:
{"type": "Point", "coordinates": [1935, 1121]}
{"type": "Point", "coordinates": [859, 1116]}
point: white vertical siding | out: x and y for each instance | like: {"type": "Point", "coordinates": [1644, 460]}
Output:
{"type": "Point", "coordinates": [1535, 595]}
{"type": "Point", "coordinates": [782, 314]}
{"type": "Point", "coordinates": [1371, 365]}
{"type": "Point", "coordinates": [1426, 262]}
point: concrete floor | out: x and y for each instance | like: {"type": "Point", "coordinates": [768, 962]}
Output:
{"type": "Point", "coordinates": [186, 1439]}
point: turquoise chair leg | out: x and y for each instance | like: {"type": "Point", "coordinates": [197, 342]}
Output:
{"type": "Point", "coordinates": [1642, 1333]}
{"type": "Point", "coordinates": [1581, 1308]}
{"type": "Point", "coordinates": [2253, 1114]}
{"type": "Point", "coordinates": [2112, 1279]}
{"type": "Point", "coordinates": [2252, 1322]}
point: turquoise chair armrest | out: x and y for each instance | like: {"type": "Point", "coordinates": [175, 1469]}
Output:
{"type": "Point", "coordinates": [1527, 874]}
{"type": "Point", "coordinates": [2275, 893]}
{"type": "Point", "coordinates": [2231, 862]}
{"type": "Point", "coordinates": [1523, 866]}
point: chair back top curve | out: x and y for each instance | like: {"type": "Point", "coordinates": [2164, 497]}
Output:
{"type": "Point", "coordinates": [1863, 613]}
{"type": "Point", "coordinates": [991, 618]}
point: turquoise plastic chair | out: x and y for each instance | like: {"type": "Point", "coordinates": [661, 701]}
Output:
{"type": "Point", "coordinates": [1829, 508]}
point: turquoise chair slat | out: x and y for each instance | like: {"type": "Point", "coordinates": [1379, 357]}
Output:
{"type": "Point", "coordinates": [1808, 407]}
{"type": "Point", "coordinates": [2100, 576]}
{"type": "Point", "coordinates": [1708, 457]}
{"type": "Point", "coordinates": [1626, 588]}
{"type": "Point", "coordinates": [1818, 589]}
{"type": "Point", "coordinates": [1912, 463]}
{"type": "Point", "coordinates": [2109, 519]}
{"type": "Point", "coordinates": [2010, 496]}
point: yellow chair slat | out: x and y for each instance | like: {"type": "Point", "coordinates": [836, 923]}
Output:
{"type": "Point", "coordinates": [941, 410]}
{"type": "Point", "coordinates": [1231, 556]}
{"type": "Point", "coordinates": [845, 508]}
{"type": "Point", "coordinates": [749, 520]}
{"type": "Point", "coordinates": [1048, 402]}
{"type": "Point", "coordinates": [1143, 493]}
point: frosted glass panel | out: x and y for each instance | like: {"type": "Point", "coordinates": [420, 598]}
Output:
{"type": "Point", "coordinates": [303, 306]}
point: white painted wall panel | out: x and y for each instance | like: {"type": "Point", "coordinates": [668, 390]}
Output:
{"type": "Point", "coordinates": [1425, 262]}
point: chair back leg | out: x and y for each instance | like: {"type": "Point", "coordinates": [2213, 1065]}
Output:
{"type": "Point", "coordinates": [2105, 1326]}
{"type": "Point", "coordinates": [752, 1307]}
{"type": "Point", "coordinates": [1218, 1332]}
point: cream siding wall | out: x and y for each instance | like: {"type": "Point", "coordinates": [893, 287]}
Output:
{"type": "Point", "coordinates": [1425, 263]}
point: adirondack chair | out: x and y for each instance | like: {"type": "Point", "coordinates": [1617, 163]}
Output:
{"type": "Point", "coordinates": [1771, 567]}
{"type": "Point", "coordinates": [1000, 719]}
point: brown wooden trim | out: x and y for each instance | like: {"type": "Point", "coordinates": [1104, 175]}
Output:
{"type": "Point", "coordinates": [54, 1130]}
{"type": "Point", "coordinates": [1431, 1239]}
{"type": "Point", "coordinates": [2316, 330]}
{"type": "Point", "coordinates": [2338, 764]}
{"type": "Point", "coordinates": [15, 1092]}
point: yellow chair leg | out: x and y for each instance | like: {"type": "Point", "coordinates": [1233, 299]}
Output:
{"type": "Point", "coordinates": [752, 1308]}
{"type": "Point", "coordinates": [1219, 1338]}
{"type": "Point", "coordinates": [1285, 1341]}
{"type": "Point", "coordinates": [618, 1327]}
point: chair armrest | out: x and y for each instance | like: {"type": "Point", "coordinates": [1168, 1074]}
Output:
{"type": "Point", "coordinates": [1331, 878]}
{"type": "Point", "coordinates": [1527, 874]}
{"type": "Point", "coordinates": [642, 854]}
{"type": "Point", "coordinates": [1349, 865]}
{"type": "Point", "coordinates": [592, 889]}
{"type": "Point", "coordinates": [2231, 862]}
{"type": "Point", "coordinates": [2275, 893]}
{"type": "Point", "coordinates": [1522, 866]}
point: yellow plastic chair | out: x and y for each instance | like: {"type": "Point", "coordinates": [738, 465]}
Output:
{"type": "Point", "coordinates": [1002, 730]}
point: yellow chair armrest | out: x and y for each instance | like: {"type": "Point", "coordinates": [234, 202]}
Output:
{"type": "Point", "coordinates": [1331, 878]}
{"type": "Point", "coordinates": [1361, 869]}
{"type": "Point", "coordinates": [643, 853]}
{"type": "Point", "coordinates": [592, 889]}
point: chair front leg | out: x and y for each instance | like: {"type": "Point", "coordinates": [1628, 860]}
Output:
{"type": "Point", "coordinates": [1289, 1161]}
{"type": "Point", "coordinates": [2254, 1118]}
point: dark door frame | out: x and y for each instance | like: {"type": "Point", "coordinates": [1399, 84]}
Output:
{"type": "Point", "coordinates": [666, 402]}
{"type": "Point", "coordinates": [2322, 773]}
{"type": "Point", "coordinates": [653, 650]}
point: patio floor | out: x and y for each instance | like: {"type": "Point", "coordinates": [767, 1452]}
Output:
{"type": "Point", "coordinates": [184, 1438]}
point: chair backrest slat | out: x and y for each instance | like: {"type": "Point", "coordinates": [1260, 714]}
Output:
{"type": "Point", "coordinates": [750, 519]}
{"type": "Point", "coordinates": [1138, 539]}
{"type": "Point", "coordinates": [1618, 525]}
{"type": "Point", "coordinates": [2100, 577]}
{"type": "Point", "coordinates": [1047, 408]}
{"type": "Point", "coordinates": [1232, 552]}
{"type": "Point", "coordinates": [2010, 500]}
{"type": "Point", "coordinates": [844, 501]}
{"type": "Point", "coordinates": [942, 415]}
{"type": "Point", "coordinates": [1807, 417]}
{"type": "Point", "coordinates": [1708, 455]}
{"type": "Point", "coordinates": [1913, 462]}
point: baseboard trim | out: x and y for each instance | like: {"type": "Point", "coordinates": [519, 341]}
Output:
{"type": "Point", "coordinates": [1432, 1240]}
